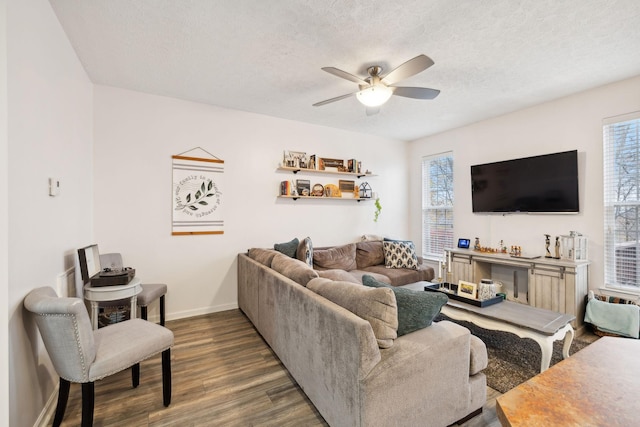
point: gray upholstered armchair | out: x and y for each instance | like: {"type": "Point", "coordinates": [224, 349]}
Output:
{"type": "Point", "coordinates": [82, 355]}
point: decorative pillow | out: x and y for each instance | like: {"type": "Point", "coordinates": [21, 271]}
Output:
{"type": "Point", "coordinates": [294, 269]}
{"type": "Point", "coordinates": [305, 251]}
{"type": "Point", "coordinates": [340, 257]}
{"type": "Point", "coordinates": [400, 255]}
{"type": "Point", "coordinates": [378, 308]}
{"type": "Point", "coordinates": [263, 256]}
{"type": "Point", "coordinates": [416, 309]}
{"type": "Point", "coordinates": [288, 248]}
{"type": "Point", "coordinates": [341, 275]}
{"type": "Point", "coordinates": [370, 238]}
{"type": "Point", "coordinates": [369, 253]}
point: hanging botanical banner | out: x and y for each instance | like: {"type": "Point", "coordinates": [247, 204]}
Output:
{"type": "Point", "coordinates": [197, 195]}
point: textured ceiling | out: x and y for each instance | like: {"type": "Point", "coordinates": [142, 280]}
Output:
{"type": "Point", "coordinates": [491, 56]}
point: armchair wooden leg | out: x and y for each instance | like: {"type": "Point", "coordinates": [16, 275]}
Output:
{"type": "Point", "coordinates": [166, 377]}
{"type": "Point", "coordinates": [135, 375]}
{"type": "Point", "coordinates": [162, 310]}
{"type": "Point", "coordinates": [63, 396]}
{"type": "Point", "coordinates": [87, 404]}
{"type": "Point", "coordinates": [143, 312]}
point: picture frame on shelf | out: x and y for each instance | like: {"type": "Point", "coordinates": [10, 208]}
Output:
{"type": "Point", "coordinates": [304, 187]}
{"type": "Point", "coordinates": [346, 186]}
{"type": "Point", "coordinates": [295, 159]}
{"type": "Point", "coordinates": [326, 162]}
{"type": "Point", "coordinates": [467, 289]}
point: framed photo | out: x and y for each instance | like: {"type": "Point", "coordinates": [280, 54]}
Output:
{"type": "Point", "coordinates": [331, 163]}
{"type": "Point", "coordinates": [346, 185]}
{"type": "Point", "coordinates": [295, 159]}
{"type": "Point", "coordinates": [304, 187]}
{"type": "Point", "coordinates": [467, 289]}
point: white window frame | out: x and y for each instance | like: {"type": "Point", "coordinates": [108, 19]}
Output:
{"type": "Point", "coordinates": [621, 158]}
{"type": "Point", "coordinates": [437, 205]}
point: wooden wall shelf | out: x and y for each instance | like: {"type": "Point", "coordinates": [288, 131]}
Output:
{"type": "Point", "coordinates": [322, 172]}
{"type": "Point", "coordinates": [357, 199]}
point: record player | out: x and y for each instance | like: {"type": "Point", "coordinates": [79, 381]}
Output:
{"type": "Point", "coordinates": [93, 273]}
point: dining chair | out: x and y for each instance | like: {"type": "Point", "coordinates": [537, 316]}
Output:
{"type": "Point", "coordinates": [82, 355]}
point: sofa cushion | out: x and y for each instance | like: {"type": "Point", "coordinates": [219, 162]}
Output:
{"type": "Point", "coordinates": [378, 307]}
{"type": "Point", "coordinates": [341, 275]}
{"type": "Point", "coordinates": [304, 251]}
{"type": "Point", "coordinates": [378, 276]}
{"type": "Point", "coordinates": [340, 257]}
{"type": "Point", "coordinates": [416, 309]}
{"type": "Point", "coordinates": [369, 253]}
{"type": "Point", "coordinates": [402, 276]}
{"type": "Point", "coordinates": [400, 255]}
{"type": "Point", "coordinates": [294, 269]}
{"type": "Point", "coordinates": [263, 256]}
{"type": "Point", "coordinates": [288, 248]}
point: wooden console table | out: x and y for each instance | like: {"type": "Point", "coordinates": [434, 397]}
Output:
{"type": "Point", "coordinates": [543, 326]}
{"type": "Point", "coordinates": [595, 387]}
{"type": "Point", "coordinates": [553, 284]}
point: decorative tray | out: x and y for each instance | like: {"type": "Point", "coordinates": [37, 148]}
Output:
{"type": "Point", "coordinates": [435, 287]}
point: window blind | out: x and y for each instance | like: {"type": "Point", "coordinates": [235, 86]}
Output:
{"type": "Point", "coordinates": [437, 204]}
{"type": "Point", "coordinates": [621, 144]}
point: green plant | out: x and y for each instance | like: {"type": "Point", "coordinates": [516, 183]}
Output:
{"type": "Point", "coordinates": [378, 209]}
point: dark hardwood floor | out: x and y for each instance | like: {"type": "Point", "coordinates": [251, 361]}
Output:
{"type": "Point", "coordinates": [224, 374]}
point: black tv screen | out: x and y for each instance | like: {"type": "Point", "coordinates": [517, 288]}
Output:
{"type": "Point", "coordinates": [543, 184]}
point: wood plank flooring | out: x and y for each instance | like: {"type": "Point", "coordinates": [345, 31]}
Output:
{"type": "Point", "coordinates": [224, 374]}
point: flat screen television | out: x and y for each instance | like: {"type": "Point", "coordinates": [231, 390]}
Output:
{"type": "Point", "coordinates": [539, 184]}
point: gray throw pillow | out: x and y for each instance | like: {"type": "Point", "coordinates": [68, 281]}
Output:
{"type": "Point", "coordinates": [416, 309]}
{"type": "Point", "coordinates": [288, 248]}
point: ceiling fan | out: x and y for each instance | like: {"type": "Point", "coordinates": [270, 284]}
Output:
{"type": "Point", "coordinates": [376, 89]}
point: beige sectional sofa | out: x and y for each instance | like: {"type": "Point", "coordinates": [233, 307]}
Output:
{"type": "Point", "coordinates": [429, 377]}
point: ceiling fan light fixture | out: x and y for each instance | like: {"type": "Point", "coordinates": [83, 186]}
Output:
{"type": "Point", "coordinates": [374, 96]}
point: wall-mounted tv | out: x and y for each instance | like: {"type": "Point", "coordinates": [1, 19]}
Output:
{"type": "Point", "coordinates": [539, 184]}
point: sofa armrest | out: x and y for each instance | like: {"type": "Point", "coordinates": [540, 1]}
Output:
{"type": "Point", "coordinates": [479, 358]}
{"type": "Point", "coordinates": [423, 376]}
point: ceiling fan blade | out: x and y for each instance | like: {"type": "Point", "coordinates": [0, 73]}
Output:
{"type": "Point", "coordinates": [408, 69]}
{"type": "Point", "coordinates": [372, 111]}
{"type": "Point", "coordinates": [415, 92]}
{"type": "Point", "coordinates": [337, 98]}
{"type": "Point", "coordinates": [343, 74]}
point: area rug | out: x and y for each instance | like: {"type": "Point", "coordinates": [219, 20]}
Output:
{"type": "Point", "coordinates": [513, 360]}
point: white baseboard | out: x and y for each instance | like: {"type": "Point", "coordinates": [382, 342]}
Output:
{"type": "Point", "coordinates": [200, 311]}
{"type": "Point", "coordinates": [46, 416]}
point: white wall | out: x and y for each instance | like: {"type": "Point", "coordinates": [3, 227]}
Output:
{"type": "Point", "coordinates": [135, 136]}
{"type": "Point", "coordinates": [574, 122]}
{"type": "Point", "coordinates": [49, 135]}
{"type": "Point", "coordinates": [4, 223]}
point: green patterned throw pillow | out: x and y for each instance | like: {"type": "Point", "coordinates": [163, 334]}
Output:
{"type": "Point", "coordinates": [416, 309]}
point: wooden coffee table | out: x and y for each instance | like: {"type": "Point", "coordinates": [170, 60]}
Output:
{"type": "Point", "coordinates": [595, 387]}
{"type": "Point", "coordinates": [543, 326]}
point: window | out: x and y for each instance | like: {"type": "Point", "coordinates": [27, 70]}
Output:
{"type": "Point", "coordinates": [621, 139]}
{"type": "Point", "coordinates": [437, 204]}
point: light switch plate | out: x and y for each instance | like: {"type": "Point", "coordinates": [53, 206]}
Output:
{"type": "Point", "coordinates": [54, 187]}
